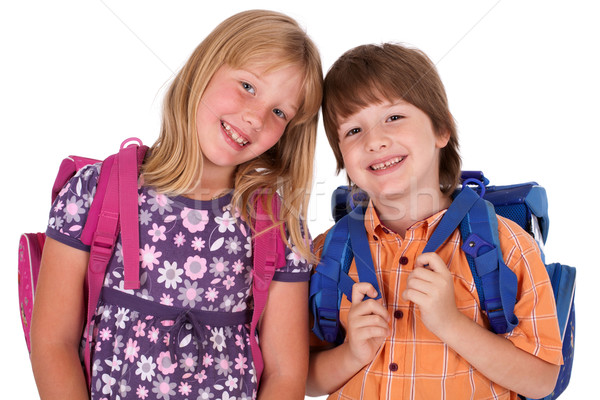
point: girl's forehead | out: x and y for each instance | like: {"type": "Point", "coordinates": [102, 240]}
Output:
{"type": "Point", "coordinates": [269, 60]}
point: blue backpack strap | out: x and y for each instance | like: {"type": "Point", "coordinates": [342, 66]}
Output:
{"type": "Point", "coordinates": [347, 240]}
{"type": "Point", "coordinates": [361, 250]}
{"type": "Point", "coordinates": [462, 204]}
{"type": "Point", "coordinates": [496, 283]}
{"type": "Point", "coordinates": [329, 277]}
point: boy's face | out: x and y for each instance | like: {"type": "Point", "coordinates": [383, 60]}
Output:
{"type": "Point", "coordinates": [390, 150]}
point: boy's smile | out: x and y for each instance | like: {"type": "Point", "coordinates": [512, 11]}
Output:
{"type": "Point", "coordinates": [391, 150]}
{"type": "Point", "coordinates": [387, 166]}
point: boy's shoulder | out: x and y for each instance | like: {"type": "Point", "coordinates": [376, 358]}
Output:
{"type": "Point", "coordinates": [513, 235]}
{"type": "Point", "coordinates": [319, 243]}
{"type": "Point", "coordinates": [521, 253]}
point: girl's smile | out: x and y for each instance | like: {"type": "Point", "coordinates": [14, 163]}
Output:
{"type": "Point", "coordinates": [234, 137]}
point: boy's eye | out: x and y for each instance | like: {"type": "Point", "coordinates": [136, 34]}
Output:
{"type": "Point", "coordinates": [353, 131]}
{"type": "Point", "coordinates": [279, 113]}
{"type": "Point", "coordinates": [395, 117]}
{"type": "Point", "coordinates": [248, 87]}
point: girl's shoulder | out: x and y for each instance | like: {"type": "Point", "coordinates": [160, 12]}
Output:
{"type": "Point", "coordinates": [71, 206]}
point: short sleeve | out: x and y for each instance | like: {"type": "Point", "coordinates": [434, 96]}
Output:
{"type": "Point", "coordinates": [296, 268]}
{"type": "Point", "coordinates": [71, 207]}
{"type": "Point", "coordinates": [537, 331]}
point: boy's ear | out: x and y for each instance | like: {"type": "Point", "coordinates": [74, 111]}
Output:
{"type": "Point", "coordinates": [442, 139]}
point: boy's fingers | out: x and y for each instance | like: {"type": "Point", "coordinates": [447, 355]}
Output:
{"type": "Point", "coordinates": [431, 261]}
{"type": "Point", "coordinates": [362, 289]}
{"type": "Point", "coordinates": [360, 307]}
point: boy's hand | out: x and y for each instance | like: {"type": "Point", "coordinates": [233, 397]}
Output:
{"type": "Point", "coordinates": [367, 324]}
{"type": "Point", "coordinates": [431, 287]}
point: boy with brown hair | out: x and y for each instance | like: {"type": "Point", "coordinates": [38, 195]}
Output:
{"type": "Point", "coordinates": [387, 119]}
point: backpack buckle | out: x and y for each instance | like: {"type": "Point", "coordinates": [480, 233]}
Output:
{"type": "Point", "coordinates": [263, 278]}
{"type": "Point", "coordinates": [328, 323]}
{"type": "Point", "coordinates": [101, 250]}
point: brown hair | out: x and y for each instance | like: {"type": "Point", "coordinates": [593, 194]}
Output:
{"type": "Point", "coordinates": [256, 37]}
{"type": "Point", "coordinates": [369, 74]}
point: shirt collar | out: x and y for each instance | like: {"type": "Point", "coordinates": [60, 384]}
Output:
{"type": "Point", "coordinates": [375, 228]}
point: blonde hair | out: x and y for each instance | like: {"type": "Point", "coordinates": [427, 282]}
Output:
{"type": "Point", "coordinates": [390, 71]}
{"type": "Point", "coordinates": [255, 37]}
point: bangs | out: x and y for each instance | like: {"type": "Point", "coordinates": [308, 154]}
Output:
{"type": "Point", "coordinates": [351, 96]}
{"type": "Point", "coordinates": [355, 82]}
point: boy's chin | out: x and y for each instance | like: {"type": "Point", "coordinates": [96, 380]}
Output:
{"type": "Point", "coordinates": [387, 197]}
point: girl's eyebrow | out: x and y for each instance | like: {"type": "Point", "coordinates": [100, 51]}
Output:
{"type": "Point", "coordinates": [292, 106]}
{"type": "Point", "coordinates": [254, 75]}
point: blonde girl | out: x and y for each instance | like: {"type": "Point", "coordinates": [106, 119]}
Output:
{"type": "Point", "coordinates": [239, 119]}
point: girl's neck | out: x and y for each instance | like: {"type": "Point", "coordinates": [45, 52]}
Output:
{"type": "Point", "coordinates": [215, 182]}
{"type": "Point", "coordinates": [399, 214]}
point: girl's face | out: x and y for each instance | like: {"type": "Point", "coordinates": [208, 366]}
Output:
{"type": "Point", "coordinates": [243, 112]}
{"type": "Point", "coordinates": [390, 149]}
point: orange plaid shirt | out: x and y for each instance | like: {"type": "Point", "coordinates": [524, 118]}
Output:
{"type": "Point", "coordinates": [413, 363]}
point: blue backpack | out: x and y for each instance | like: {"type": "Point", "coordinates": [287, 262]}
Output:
{"type": "Point", "coordinates": [473, 211]}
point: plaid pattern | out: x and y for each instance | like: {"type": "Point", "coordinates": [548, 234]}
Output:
{"type": "Point", "coordinates": [413, 363]}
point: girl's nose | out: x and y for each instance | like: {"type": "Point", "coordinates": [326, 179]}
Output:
{"type": "Point", "coordinates": [254, 117]}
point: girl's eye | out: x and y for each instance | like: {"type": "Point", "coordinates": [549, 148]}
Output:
{"type": "Point", "coordinates": [248, 87]}
{"type": "Point", "coordinates": [279, 113]}
{"type": "Point", "coordinates": [395, 117]}
{"type": "Point", "coordinates": [353, 131]}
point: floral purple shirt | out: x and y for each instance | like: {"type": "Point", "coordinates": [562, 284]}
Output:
{"type": "Point", "coordinates": [193, 255]}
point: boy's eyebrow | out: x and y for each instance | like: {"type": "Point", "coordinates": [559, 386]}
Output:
{"type": "Point", "coordinates": [399, 102]}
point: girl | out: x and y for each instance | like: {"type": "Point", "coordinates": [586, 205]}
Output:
{"type": "Point", "coordinates": [241, 114]}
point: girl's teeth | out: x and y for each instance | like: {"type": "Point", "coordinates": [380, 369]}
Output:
{"type": "Point", "coordinates": [233, 135]}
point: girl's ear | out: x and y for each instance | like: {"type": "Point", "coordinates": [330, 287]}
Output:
{"type": "Point", "coordinates": [442, 139]}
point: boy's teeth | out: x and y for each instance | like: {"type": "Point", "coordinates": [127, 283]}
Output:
{"type": "Point", "coordinates": [386, 164]}
{"type": "Point", "coordinates": [233, 135]}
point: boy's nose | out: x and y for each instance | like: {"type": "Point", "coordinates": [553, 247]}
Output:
{"type": "Point", "coordinates": [376, 140]}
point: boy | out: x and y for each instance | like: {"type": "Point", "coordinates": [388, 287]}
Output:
{"type": "Point", "coordinates": [387, 119]}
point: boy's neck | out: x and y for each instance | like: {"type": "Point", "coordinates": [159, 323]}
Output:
{"type": "Point", "coordinates": [401, 213]}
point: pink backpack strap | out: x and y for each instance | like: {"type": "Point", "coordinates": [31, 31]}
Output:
{"type": "Point", "coordinates": [116, 201]}
{"type": "Point", "coordinates": [269, 254]}
{"type": "Point", "coordinates": [128, 211]}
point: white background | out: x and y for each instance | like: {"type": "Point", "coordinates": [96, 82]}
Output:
{"type": "Point", "coordinates": [77, 77]}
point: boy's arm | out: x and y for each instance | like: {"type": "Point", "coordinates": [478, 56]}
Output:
{"type": "Point", "coordinates": [366, 331]}
{"type": "Point", "coordinates": [430, 286]}
{"type": "Point", "coordinates": [500, 360]}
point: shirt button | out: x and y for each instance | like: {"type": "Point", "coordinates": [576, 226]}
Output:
{"type": "Point", "coordinates": [375, 238]}
{"type": "Point", "coordinates": [393, 367]}
{"type": "Point", "coordinates": [403, 260]}
{"type": "Point", "coordinates": [398, 314]}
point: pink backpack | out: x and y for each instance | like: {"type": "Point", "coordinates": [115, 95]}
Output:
{"type": "Point", "coordinates": [115, 206]}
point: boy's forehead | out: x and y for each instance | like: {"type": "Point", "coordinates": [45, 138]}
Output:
{"type": "Point", "coordinates": [380, 103]}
